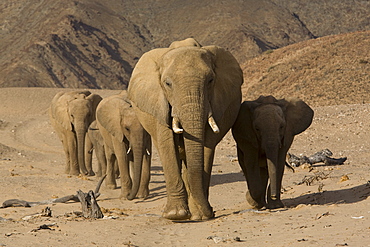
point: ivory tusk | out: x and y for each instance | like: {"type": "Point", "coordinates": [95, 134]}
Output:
{"type": "Point", "coordinates": [176, 126]}
{"type": "Point", "coordinates": [129, 150]}
{"type": "Point", "coordinates": [213, 125]}
{"type": "Point", "coordinates": [147, 152]}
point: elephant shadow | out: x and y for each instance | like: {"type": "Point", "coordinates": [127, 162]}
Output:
{"type": "Point", "coordinates": [226, 178]}
{"type": "Point", "coordinates": [344, 196]}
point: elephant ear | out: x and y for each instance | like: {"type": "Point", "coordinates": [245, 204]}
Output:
{"type": "Point", "coordinates": [144, 89]}
{"type": "Point", "coordinates": [109, 115]}
{"type": "Point", "coordinates": [228, 81]}
{"type": "Point", "coordinates": [298, 117]}
{"type": "Point", "coordinates": [59, 110]}
{"type": "Point", "coordinates": [243, 126]}
{"type": "Point", "coordinates": [95, 100]}
{"type": "Point", "coordinates": [185, 42]}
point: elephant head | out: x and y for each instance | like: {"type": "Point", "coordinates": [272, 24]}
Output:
{"type": "Point", "coordinates": [74, 111]}
{"type": "Point", "coordinates": [268, 126]}
{"type": "Point", "coordinates": [188, 88]}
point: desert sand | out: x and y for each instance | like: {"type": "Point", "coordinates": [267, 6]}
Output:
{"type": "Point", "coordinates": [332, 210]}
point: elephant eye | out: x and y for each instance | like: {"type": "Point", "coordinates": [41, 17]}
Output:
{"type": "Point", "coordinates": [168, 83]}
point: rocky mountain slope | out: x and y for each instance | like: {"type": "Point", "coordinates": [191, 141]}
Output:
{"type": "Point", "coordinates": [332, 70]}
{"type": "Point", "coordinates": [95, 44]}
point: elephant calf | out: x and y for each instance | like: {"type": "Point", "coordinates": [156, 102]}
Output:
{"type": "Point", "coordinates": [70, 114]}
{"type": "Point", "coordinates": [264, 131]}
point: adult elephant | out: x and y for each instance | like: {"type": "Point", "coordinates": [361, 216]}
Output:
{"type": "Point", "coordinates": [70, 114]}
{"type": "Point", "coordinates": [264, 131]}
{"type": "Point", "coordinates": [126, 142]}
{"type": "Point", "coordinates": [187, 97]}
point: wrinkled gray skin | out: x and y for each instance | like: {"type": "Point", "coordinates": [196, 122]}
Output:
{"type": "Point", "coordinates": [70, 114]}
{"type": "Point", "coordinates": [187, 97]}
{"type": "Point", "coordinates": [264, 131]}
{"type": "Point", "coordinates": [126, 142]}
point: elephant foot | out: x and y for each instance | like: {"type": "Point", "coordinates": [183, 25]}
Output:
{"type": "Point", "coordinates": [204, 214]}
{"type": "Point", "coordinates": [254, 203]}
{"type": "Point", "coordinates": [176, 210]}
{"type": "Point", "coordinates": [143, 193]}
{"type": "Point", "coordinates": [274, 204]}
{"type": "Point", "coordinates": [198, 212]}
{"type": "Point", "coordinates": [111, 185]}
{"type": "Point", "coordinates": [90, 173]}
{"type": "Point", "coordinates": [123, 196]}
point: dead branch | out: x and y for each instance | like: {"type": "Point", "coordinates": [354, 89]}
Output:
{"type": "Point", "coordinates": [90, 207]}
{"type": "Point", "coordinates": [65, 199]}
{"type": "Point", "coordinates": [320, 157]}
{"type": "Point", "coordinates": [309, 180]}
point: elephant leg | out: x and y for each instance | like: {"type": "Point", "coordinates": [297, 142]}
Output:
{"type": "Point", "coordinates": [74, 168]}
{"type": "Point", "coordinates": [102, 161]}
{"type": "Point", "coordinates": [88, 156]}
{"type": "Point", "coordinates": [176, 207]}
{"type": "Point", "coordinates": [66, 152]}
{"type": "Point", "coordinates": [249, 164]}
{"type": "Point", "coordinates": [123, 165]}
{"type": "Point", "coordinates": [264, 178]}
{"type": "Point", "coordinates": [145, 177]}
{"type": "Point", "coordinates": [273, 203]}
{"type": "Point", "coordinates": [197, 212]}
{"type": "Point", "coordinates": [110, 180]}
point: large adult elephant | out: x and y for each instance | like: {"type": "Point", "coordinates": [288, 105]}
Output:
{"type": "Point", "coordinates": [264, 131]}
{"type": "Point", "coordinates": [70, 114]}
{"type": "Point", "coordinates": [127, 142]}
{"type": "Point", "coordinates": [187, 97]}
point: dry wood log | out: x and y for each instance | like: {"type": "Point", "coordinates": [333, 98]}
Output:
{"type": "Point", "coordinates": [23, 203]}
{"type": "Point", "coordinates": [322, 156]}
{"type": "Point", "coordinates": [90, 207]}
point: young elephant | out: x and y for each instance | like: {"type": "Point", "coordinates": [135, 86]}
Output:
{"type": "Point", "coordinates": [94, 141]}
{"type": "Point", "coordinates": [264, 131]}
{"type": "Point", "coordinates": [71, 114]}
{"type": "Point", "coordinates": [126, 142]}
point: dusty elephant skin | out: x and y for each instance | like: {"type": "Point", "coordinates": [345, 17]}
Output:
{"type": "Point", "coordinates": [126, 142]}
{"type": "Point", "coordinates": [187, 97]}
{"type": "Point", "coordinates": [70, 114]}
{"type": "Point", "coordinates": [95, 143]}
{"type": "Point", "coordinates": [264, 131]}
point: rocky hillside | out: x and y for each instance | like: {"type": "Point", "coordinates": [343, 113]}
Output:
{"type": "Point", "coordinates": [331, 70]}
{"type": "Point", "coordinates": [95, 44]}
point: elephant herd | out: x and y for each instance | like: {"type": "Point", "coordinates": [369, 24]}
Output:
{"type": "Point", "coordinates": [184, 99]}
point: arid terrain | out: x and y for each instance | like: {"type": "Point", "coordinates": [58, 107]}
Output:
{"type": "Point", "coordinates": [325, 205]}
{"type": "Point", "coordinates": [319, 52]}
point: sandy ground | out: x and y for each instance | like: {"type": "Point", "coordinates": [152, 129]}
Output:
{"type": "Point", "coordinates": [334, 210]}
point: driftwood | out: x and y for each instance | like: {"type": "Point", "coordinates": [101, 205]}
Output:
{"type": "Point", "coordinates": [23, 203]}
{"type": "Point", "coordinates": [90, 207]}
{"type": "Point", "coordinates": [320, 157]}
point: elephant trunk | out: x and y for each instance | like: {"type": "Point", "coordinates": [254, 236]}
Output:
{"type": "Point", "coordinates": [138, 150]}
{"type": "Point", "coordinates": [193, 120]}
{"type": "Point", "coordinates": [80, 136]}
{"type": "Point", "coordinates": [272, 151]}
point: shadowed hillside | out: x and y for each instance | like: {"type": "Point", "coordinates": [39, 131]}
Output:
{"type": "Point", "coordinates": [95, 44]}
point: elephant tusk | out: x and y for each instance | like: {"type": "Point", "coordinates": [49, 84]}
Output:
{"type": "Point", "coordinates": [213, 125]}
{"type": "Point", "coordinates": [129, 150]}
{"type": "Point", "coordinates": [147, 152]}
{"type": "Point", "coordinates": [176, 126]}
